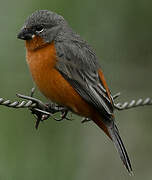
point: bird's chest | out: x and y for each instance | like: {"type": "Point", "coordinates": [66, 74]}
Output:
{"type": "Point", "coordinates": [42, 63]}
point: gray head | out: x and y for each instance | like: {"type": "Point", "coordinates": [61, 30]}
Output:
{"type": "Point", "coordinates": [43, 23]}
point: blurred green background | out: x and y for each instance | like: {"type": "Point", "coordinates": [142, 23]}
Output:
{"type": "Point", "coordinates": [121, 33]}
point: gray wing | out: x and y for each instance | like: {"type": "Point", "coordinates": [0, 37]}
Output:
{"type": "Point", "coordinates": [79, 66]}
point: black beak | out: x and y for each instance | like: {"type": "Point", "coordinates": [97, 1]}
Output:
{"type": "Point", "coordinates": [25, 34]}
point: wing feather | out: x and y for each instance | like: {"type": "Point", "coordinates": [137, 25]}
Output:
{"type": "Point", "coordinates": [79, 66]}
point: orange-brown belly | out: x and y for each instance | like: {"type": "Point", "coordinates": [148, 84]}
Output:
{"type": "Point", "coordinates": [51, 83]}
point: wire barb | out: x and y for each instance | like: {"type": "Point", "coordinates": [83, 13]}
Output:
{"type": "Point", "coordinates": [43, 111]}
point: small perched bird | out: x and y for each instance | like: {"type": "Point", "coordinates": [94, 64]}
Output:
{"type": "Point", "coordinates": [66, 70]}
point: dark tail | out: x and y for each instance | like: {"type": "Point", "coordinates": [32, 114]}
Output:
{"type": "Point", "coordinates": [114, 133]}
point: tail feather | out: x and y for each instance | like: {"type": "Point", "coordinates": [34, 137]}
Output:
{"type": "Point", "coordinates": [114, 133]}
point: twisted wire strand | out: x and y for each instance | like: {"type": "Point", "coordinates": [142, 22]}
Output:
{"type": "Point", "coordinates": [133, 103]}
{"type": "Point", "coordinates": [32, 103]}
{"type": "Point", "coordinates": [16, 104]}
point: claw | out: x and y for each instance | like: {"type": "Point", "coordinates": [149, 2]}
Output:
{"type": "Point", "coordinates": [63, 116]}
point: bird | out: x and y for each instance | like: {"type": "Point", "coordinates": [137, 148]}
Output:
{"type": "Point", "coordinates": [66, 70]}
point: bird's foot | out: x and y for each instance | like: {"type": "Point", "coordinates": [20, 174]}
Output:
{"type": "Point", "coordinates": [63, 115]}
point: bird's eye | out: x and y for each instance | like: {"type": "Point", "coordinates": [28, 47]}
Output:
{"type": "Point", "coordinates": [39, 28]}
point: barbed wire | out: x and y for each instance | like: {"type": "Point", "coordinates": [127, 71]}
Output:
{"type": "Point", "coordinates": [133, 104]}
{"type": "Point", "coordinates": [43, 111]}
{"type": "Point", "coordinates": [32, 102]}
{"type": "Point", "coordinates": [16, 104]}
